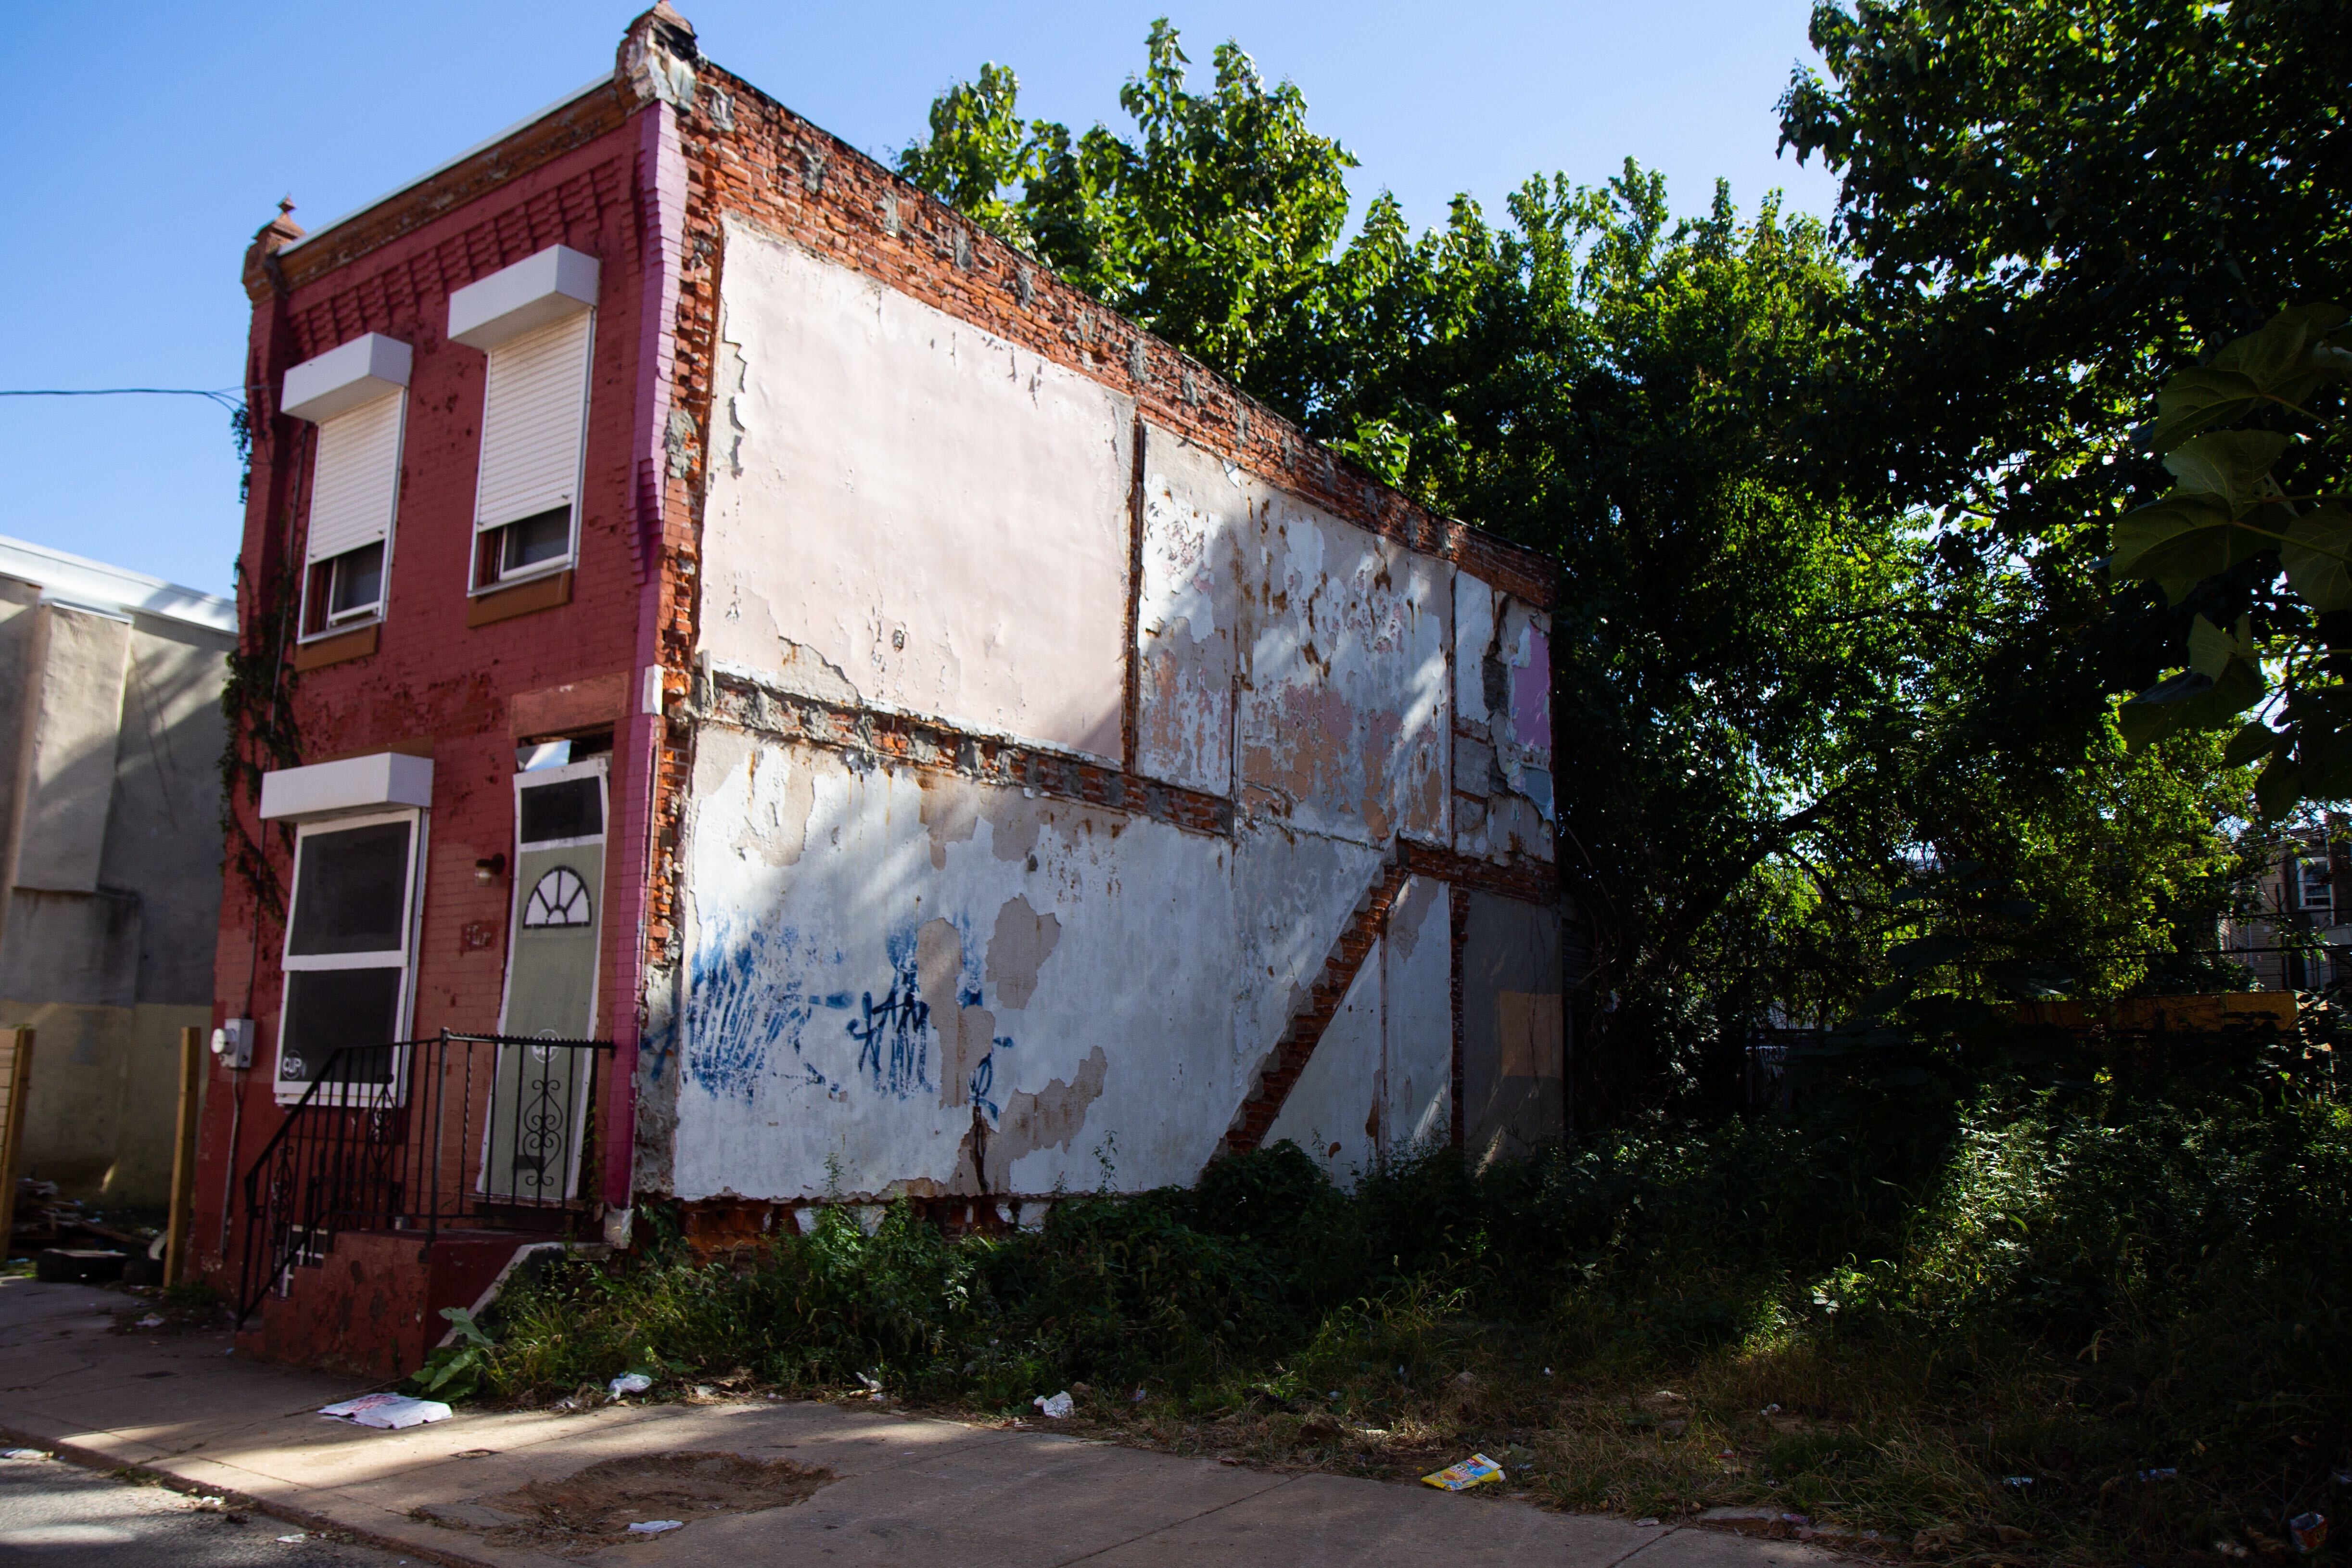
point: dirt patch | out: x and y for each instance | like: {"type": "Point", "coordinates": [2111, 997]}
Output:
{"type": "Point", "coordinates": [594, 1507]}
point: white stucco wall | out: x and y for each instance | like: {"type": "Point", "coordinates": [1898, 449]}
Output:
{"type": "Point", "coordinates": [1336, 1108]}
{"type": "Point", "coordinates": [871, 955]}
{"type": "Point", "coordinates": [897, 979]}
{"type": "Point", "coordinates": [1418, 1021]}
{"type": "Point", "coordinates": [906, 511]}
{"type": "Point", "coordinates": [1342, 715]}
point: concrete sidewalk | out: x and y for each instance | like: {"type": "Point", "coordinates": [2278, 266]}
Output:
{"type": "Point", "coordinates": [908, 1490]}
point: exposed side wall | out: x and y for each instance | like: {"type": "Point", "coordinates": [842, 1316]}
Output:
{"type": "Point", "coordinates": [113, 883]}
{"type": "Point", "coordinates": [1043, 759]}
{"type": "Point", "coordinates": [908, 512]}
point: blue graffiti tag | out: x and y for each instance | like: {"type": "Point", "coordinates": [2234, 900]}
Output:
{"type": "Point", "coordinates": [744, 999]}
{"type": "Point", "coordinates": [893, 1036]}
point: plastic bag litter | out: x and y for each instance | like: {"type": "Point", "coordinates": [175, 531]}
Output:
{"type": "Point", "coordinates": [390, 1411]}
{"type": "Point", "coordinates": [656, 1526]}
{"type": "Point", "coordinates": [2160, 1473]}
{"type": "Point", "coordinates": [629, 1382]}
{"type": "Point", "coordinates": [294, 1539]}
{"type": "Point", "coordinates": [152, 1321]}
{"type": "Point", "coordinates": [25, 1454]}
{"type": "Point", "coordinates": [1475, 1471]}
{"type": "Point", "coordinates": [2308, 1531]}
{"type": "Point", "coordinates": [1058, 1407]}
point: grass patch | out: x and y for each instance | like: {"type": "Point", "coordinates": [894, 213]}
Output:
{"type": "Point", "coordinates": [1875, 1320]}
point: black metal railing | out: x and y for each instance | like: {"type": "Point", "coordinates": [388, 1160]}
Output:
{"type": "Point", "coordinates": [454, 1130]}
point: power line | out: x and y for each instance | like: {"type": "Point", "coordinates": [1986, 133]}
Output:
{"type": "Point", "coordinates": [227, 400]}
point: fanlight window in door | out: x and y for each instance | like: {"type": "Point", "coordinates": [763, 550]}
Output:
{"type": "Point", "coordinates": [559, 899]}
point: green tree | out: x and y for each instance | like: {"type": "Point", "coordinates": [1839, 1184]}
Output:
{"type": "Point", "coordinates": [1209, 229]}
{"type": "Point", "coordinates": [1826, 726]}
{"type": "Point", "coordinates": [2055, 204]}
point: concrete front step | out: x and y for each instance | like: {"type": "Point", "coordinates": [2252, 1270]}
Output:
{"type": "Point", "coordinates": [372, 1307]}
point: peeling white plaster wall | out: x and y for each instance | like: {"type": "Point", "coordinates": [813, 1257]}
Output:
{"type": "Point", "coordinates": [901, 980]}
{"type": "Point", "coordinates": [1195, 508]}
{"type": "Point", "coordinates": [1418, 1000]}
{"type": "Point", "coordinates": [910, 513]}
{"type": "Point", "coordinates": [872, 955]}
{"type": "Point", "coordinates": [1340, 709]}
{"type": "Point", "coordinates": [1379, 1085]}
{"type": "Point", "coordinates": [1294, 895]}
{"type": "Point", "coordinates": [1319, 647]}
{"type": "Point", "coordinates": [1335, 1110]}
{"type": "Point", "coordinates": [1502, 743]}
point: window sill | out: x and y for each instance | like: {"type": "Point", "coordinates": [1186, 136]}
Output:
{"type": "Point", "coordinates": [336, 648]}
{"type": "Point", "coordinates": [522, 599]}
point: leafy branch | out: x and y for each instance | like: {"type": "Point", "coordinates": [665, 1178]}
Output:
{"type": "Point", "coordinates": [2228, 509]}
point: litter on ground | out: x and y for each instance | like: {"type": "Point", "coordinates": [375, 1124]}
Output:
{"type": "Point", "coordinates": [629, 1382]}
{"type": "Point", "coordinates": [1059, 1407]}
{"type": "Point", "coordinates": [1475, 1471]}
{"type": "Point", "coordinates": [2308, 1531]}
{"type": "Point", "coordinates": [656, 1526]}
{"type": "Point", "coordinates": [390, 1411]}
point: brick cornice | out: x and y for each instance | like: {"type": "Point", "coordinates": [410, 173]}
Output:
{"type": "Point", "coordinates": [596, 112]}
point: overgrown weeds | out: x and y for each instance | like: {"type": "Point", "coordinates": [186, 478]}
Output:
{"type": "Point", "coordinates": [2061, 1326]}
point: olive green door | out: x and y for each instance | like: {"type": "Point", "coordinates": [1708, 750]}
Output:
{"type": "Point", "coordinates": [538, 1105]}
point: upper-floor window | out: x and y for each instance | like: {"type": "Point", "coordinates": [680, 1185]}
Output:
{"type": "Point", "coordinates": [357, 394]}
{"type": "Point", "coordinates": [2315, 892]}
{"type": "Point", "coordinates": [536, 321]}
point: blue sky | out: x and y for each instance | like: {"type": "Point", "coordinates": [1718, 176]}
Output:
{"type": "Point", "coordinates": [151, 141]}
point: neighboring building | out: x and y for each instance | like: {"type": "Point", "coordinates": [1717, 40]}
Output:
{"type": "Point", "coordinates": [2292, 936]}
{"type": "Point", "coordinates": [949, 743]}
{"type": "Point", "coordinates": [110, 690]}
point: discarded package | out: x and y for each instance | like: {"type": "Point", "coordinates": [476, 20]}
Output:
{"type": "Point", "coordinates": [2016, 1480]}
{"type": "Point", "coordinates": [656, 1526]}
{"type": "Point", "coordinates": [2308, 1531]}
{"type": "Point", "coordinates": [152, 1321]}
{"type": "Point", "coordinates": [1059, 1407]}
{"type": "Point", "coordinates": [294, 1539]}
{"type": "Point", "coordinates": [629, 1382]}
{"type": "Point", "coordinates": [389, 1411]}
{"type": "Point", "coordinates": [25, 1454]}
{"type": "Point", "coordinates": [1475, 1471]}
{"type": "Point", "coordinates": [2160, 1473]}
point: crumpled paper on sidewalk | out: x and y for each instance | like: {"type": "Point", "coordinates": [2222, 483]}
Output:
{"type": "Point", "coordinates": [392, 1411]}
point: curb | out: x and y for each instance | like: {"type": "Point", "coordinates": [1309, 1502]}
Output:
{"type": "Point", "coordinates": [316, 1523]}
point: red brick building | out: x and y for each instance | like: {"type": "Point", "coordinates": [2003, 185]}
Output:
{"type": "Point", "coordinates": [703, 598]}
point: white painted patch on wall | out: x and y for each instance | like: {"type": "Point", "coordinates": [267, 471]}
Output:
{"type": "Point", "coordinates": [934, 513]}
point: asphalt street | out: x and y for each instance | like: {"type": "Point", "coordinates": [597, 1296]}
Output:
{"type": "Point", "coordinates": [57, 1515]}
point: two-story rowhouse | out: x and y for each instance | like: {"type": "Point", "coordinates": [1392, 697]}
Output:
{"type": "Point", "coordinates": [926, 737]}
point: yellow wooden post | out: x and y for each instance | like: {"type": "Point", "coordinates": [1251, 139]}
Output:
{"type": "Point", "coordinates": [16, 1078]}
{"type": "Point", "coordinates": [184, 1156]}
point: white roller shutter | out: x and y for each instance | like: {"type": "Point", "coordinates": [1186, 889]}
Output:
{"type": "Point", "coordinates": [358, 477]}
{"type": "Point", "coordinates": [532, 418]}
